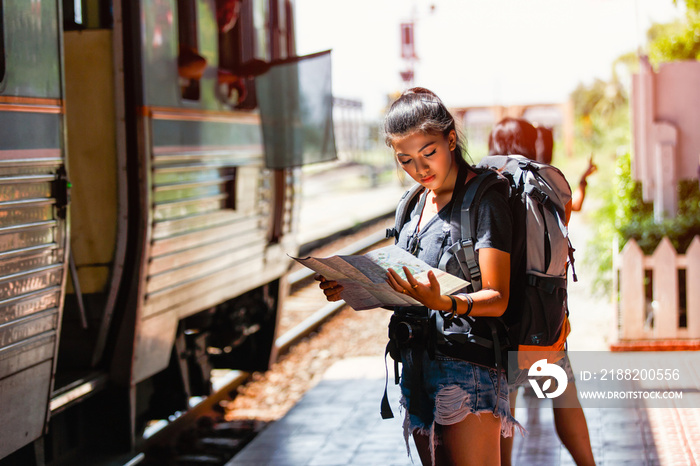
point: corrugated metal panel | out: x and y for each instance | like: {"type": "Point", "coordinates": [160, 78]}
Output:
{"type": "Point", "coordinates": [209, 222]}
{"type": "Point", "coordinates": [31, 273]}
{"type": "Point", "coordinates": [292, 195]}
{"type": "Point", "coordinates": [197, 238]}
{"type": "Point", "coordinates": [196, 295]}
{"type": "Point", "coordinates": [189, 256]}
{"type": "Point", "coordinates": [31, 326]}
{"type": "Point", "coordinates": [231, 256]}
{"type": "Point", "coordinates": [32, 238]}
{"type": "Point", "coordinates": [209, 201]}
{"type": "Point", "coordinates": [17, 357]}
{"type": "Point", "coordinates": [31, 253]}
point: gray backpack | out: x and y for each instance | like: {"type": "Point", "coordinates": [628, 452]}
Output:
{"type": "Point", "coordinates": [538, 310]}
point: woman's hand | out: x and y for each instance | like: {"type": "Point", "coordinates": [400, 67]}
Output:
{"type": "Point", "coordinates": [330, 288]}
{"type": "Point", "coordinates": [428, 295]}
{"type": "Point", "coordinates": [592, 168]}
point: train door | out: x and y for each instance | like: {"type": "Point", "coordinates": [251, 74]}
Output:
{"type": "Point", "coordinates": [95, 128]}
{"type": "Point", "coordinates": [96, 159]}
{"type": "Point", "coordinates": [33, 199]}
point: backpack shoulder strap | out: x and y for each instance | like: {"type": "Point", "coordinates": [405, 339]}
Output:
{"type": "Point", "coordinates": [463, 224]}
{"type": "Point", "coordinates": [402, 211]}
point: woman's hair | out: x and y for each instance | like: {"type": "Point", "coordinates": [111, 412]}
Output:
{"type": "Point", "coordinates": [513, 136]}
{"type": "Point", "coordinates": [420, 110]}
{"type": "Point", "coordinates": [545, 144]}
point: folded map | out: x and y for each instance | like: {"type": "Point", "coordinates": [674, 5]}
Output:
{"type": "Point", "coordinates": [364, 276]}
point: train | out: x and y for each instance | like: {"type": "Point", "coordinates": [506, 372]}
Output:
{"type": "Point", "coordinates": [150, 155]}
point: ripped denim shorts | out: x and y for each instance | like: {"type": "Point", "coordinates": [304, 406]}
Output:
{"type": "Point", "coordinates": [451, 390]}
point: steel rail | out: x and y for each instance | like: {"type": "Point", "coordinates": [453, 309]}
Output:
{"type": "Point", "coordinates": [311, 323]}
{"type": "Point", "coordinates": [361, 245]}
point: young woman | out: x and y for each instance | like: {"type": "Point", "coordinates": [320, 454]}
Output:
{"type": "Point", "coordinates": [456, 410]}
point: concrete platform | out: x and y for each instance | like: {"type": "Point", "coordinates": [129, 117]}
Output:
{"type": "Point", "coordinates": [338, 423]}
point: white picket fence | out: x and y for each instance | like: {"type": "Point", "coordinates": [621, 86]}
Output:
{"type": "Point", "coordinates": [657, 319]}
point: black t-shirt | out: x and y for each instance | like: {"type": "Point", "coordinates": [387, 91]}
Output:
{"type": "Point", "coordinates": [494, 229]}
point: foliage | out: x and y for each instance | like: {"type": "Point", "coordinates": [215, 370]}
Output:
{"type": "Point", "coordinates": [680, 230]}
{"type": "Point", "coordinates": [603, 127]}
{"type": "Point", "coordinates": [600, 109]}
{"type": "Point", "coordinates": [624, 215]}
{"type": "Point", "coordinates": [692, 6]}
{"type": "Point", "coordinates": [602, 130]}
{"type": "Point", "coordinates": [679, 40]}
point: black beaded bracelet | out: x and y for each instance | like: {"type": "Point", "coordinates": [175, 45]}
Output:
{"type": "Point", "coordinates": [453, 309]}
{"type": "Point", "coordinates": [454, 303]}
{"type": "Point", "coordinates": [470, 302]}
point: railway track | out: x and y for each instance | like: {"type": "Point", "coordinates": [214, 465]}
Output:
{"type": "Point", "coordinates": [201, 436]}
{"type": "Point", "coordinates": [301, 314]}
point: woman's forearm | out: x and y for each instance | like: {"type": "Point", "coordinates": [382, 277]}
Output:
{"type": "Point", "coordinates": [486, 303]}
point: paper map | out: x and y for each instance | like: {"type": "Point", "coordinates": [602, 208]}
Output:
{"type": "Point", "coordinates": [364, 276]}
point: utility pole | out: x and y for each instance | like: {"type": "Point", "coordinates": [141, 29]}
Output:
{"type": "Point", "coordinates": [408, 51]}
{"type": "Point", "coordinates": [408, 45]}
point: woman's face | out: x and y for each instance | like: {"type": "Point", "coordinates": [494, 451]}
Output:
{"type": "Point", "coordinates": [428, 159]}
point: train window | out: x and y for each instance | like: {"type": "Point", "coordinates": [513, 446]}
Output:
{"type": "Point", "coordinates": [244, 50]}
{"type": "Point", "coordinates": [230, 176]}
{"type": "Point", "coordinates": [73, 18]}
{"type": "Point", "coordinates": [278, 29]}
{"type": "Point", "coordinates": [289, 30]}
{"type": "Point", "coordinates": [190, 64]}
{"type": "Point", "coordinates": [2, 43]}
{"type": "Point", "coordinates": [261, 21]}
{"type": "Point", "coordinates": [87, 14]}
{"type": "Point", "coordinates": [251, 34]}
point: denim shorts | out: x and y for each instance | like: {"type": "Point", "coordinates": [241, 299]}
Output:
{"type": "Point", "coordinates": [452, 389]}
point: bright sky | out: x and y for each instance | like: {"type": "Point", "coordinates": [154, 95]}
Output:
{"type": "Point", "coordinates": [475, 52]}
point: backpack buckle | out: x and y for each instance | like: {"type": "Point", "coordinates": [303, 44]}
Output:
{"type": "Point", "coordinates": [391, 233]}
{"type": "Point", "coordinates": [466, 243]}
{"type": "Point", "coordinates": [472, 265]}
{"type": "Point", "coordinates": [527, 165]}
{"type": "Point", "coordinates": [475, 273]}
{"type": "Point", "coordinates": [539, 195]}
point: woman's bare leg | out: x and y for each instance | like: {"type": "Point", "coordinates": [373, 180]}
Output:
{"type": "Point", "coordinates": [423, 447]}
{"type": "Point", "coordinates": [473, 441]}
{"type": "Point", "coordinates": [571, 426]}
{"type": "Point", "coordinates": [507, 442]}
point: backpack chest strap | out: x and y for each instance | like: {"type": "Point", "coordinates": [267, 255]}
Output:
{"type": "Point", "coordinates": [464, 250]}
{"type": "Point", "coordinates": [463, 227]}
{"type": "Point", "coordinates": [546, 284]}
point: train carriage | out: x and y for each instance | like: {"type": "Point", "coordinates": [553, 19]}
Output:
{"type": "Point", "coordinates": [148, 201]}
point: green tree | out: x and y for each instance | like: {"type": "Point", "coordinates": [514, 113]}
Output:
{"type": "Point", "coordinates": [600, 110]}
{"type": "Point", "coordinates": [679, 40]}
{"type": "Point", "coordinates": [603, 127]}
